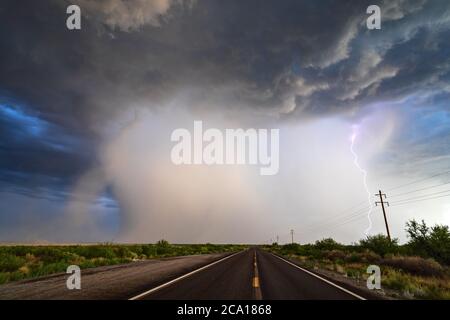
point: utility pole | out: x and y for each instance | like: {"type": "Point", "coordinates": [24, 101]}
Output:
{"type": "Point", "coordinates": [381, 195]}
{"type": "Point", "coordinates": [292, 236]}
{"type": "Point", "coordinates": [277, 239]}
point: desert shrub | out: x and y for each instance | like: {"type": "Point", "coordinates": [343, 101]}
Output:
{"type": "Point", "coordinates": [369, 256]}
{"type": "Point", "coordinates": [415, 265]}
{"type": "Point", "coordinates": [335, 255]}
{"type": "Point", "coordinates": [4, 277]}
{"type": "Point", "coordinates": [137, 249]}
{"type": "Point", "coordinates": [99, 251]}
{"type": "Point", "coordinates": [310, 250]}
{"type": "Point", "coordinates": [328, 244]}
{"type": "Point", "coordinates": [353, 273]}
{"type": "Point", "coordinates": [434, 291]}
{"type": "Point", "coordinates": [292, 248]}
{"type": "Point", "coordinates": [149, 250]}
{"type": "Point", "coordinates": [162, 243]}
{"type": "Point", "coordinates": [15, 276]}
{"type": "Point", "coordinates": [123, 252]}
{"type": "Point", "coordinates": [50, 268]}
{"type": "Point", "coordinates": [398, 281]}
{"type": "Point", "coordinates": [48, 254]}
{"type": "Point", "coordinates": [411, 286]}
{"type": "Point", "coordinates": [379, 244]}
{"type": "Point", "coordinates": [162, 247]}
{"type": "Point", "coordinates": [365, 256]}
{"type": "Point", "coordinates": [9, 262]}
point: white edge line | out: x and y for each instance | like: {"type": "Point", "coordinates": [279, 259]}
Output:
{"type": "Point", "coordinates": [182, 277]}
{"type": "Point", "coordinates": [319, 277]}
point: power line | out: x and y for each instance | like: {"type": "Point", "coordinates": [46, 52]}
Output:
{"type": "Point", "coordinates": [332, 221]}
{"type": "Point", "coordinates": [419, 200]}
{"type": "Point", "coordinates": [347, 216]}
{"type": "Point", "coordinates": [359, 214]}
{"type": "Point", "coordinates": [420, 180]}
{"type": "Point", "coordinates": [338, 225]}
{"type": "Point", "coordinates": [421, 189]}
{"type": "Point", "coordinates": [422, 196]}
{"type": "Point", "coordinates": [343, 214]}
{"type": "Point", "coordinates": [356, 215]}
{"type": "Point", "coordinates": [328, 224]}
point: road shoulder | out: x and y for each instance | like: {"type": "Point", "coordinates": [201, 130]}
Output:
{"type": "Point", "coordinates": [353, 285]}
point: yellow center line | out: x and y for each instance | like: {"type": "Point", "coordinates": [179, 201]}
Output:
{"type": "Point", "coordinates": [255, 282]}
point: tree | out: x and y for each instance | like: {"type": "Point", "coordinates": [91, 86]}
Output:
{"type": "Point", "coordinates": [431, 242]}
{"type": "Point", "coordinates": [418, 234]}
{"type": "Point", "coordinates": [439, 242]}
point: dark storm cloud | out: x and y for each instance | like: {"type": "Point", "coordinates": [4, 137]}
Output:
{"type": "Point", "coordinates": [37, 154]}
{"type": "Point", "coordinates": [295, 58]}
{"type": "Point", "coordinates": [241, 50]}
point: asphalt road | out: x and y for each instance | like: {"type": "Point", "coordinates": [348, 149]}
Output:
{"type": "Point", "coordinates": [250, 274]}
{"type": "Point", "coordinates": [281, 280]}
{"type": "Point", "coordinates": [230, 279]}
{"type": "Point", "coordinates": [234, 278]}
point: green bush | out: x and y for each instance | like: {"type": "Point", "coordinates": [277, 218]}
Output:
{"type": "Point", "coordinates": [123, 252]}
{"type": "Point", "coordinates": [90, 252]}
{"type": "Point", "coordinates": [149, 250]}
{"type": "Point", "coordinates": [9, 262]}
{"type": "Point", "coordinates": [162, 247]}
{"type": "Point", "coordinates": [328, 244]}
{"type": "Point", "coordinates": [379, 244]}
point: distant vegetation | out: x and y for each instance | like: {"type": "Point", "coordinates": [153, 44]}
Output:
{"type": "Point", "coordinates": [21, 262]}
{"type": "Point", "coordinates": [417, 269]}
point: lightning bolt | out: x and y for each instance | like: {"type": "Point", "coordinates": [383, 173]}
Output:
{"type": "Point", "coordinates": [364, 173]}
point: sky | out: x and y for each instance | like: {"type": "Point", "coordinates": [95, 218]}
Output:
{"type": "Point", "coordinates": [86, 118]}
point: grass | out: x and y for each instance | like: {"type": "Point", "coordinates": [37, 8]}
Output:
{"type": "Point", "coordinates": [23, 262]}
{"type": "Point", "coordinates": [413, 286]}
{"type": "Point", "coordinates": [406, 277]}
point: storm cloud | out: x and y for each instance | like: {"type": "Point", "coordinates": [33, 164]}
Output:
{"type": "Point", "coordinates": [75, 106]}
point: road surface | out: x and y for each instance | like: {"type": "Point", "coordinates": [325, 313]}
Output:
{"type": "Point", "coordinates": [249, 274]}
